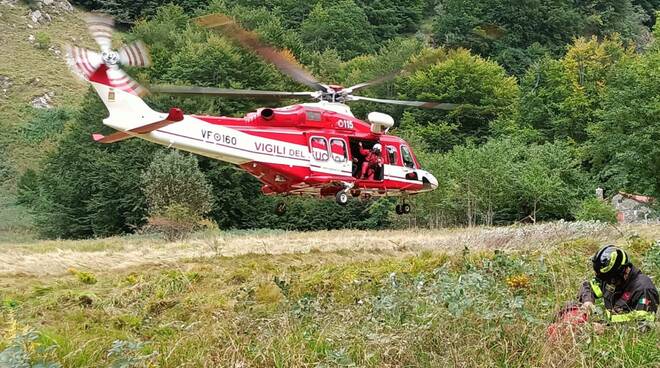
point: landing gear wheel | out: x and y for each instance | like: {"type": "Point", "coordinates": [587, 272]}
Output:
{"type": "Point", "coordinates": [280, 208]}
{"type": "Point", "coordinates": [398, 209]}
{"type": "Point", "coordinates": [342, 197]}
{"type": "Point", "coordinates": [405, 208]}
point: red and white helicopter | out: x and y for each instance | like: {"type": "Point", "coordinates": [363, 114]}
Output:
{"type": "Point", "coordinates": [304, 149]}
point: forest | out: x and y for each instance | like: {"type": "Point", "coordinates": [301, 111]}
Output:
{"type": "Point", "coordinates": [557, 98]}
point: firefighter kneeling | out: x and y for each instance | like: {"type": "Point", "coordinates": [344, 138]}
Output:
{"type": "Point", "coordinates": [627, 294]}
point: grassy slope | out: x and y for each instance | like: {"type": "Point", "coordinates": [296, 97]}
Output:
{"type": "Point", "coordinates": [398, 307]}
{"type": "Point", "coordinates": [33, 72]}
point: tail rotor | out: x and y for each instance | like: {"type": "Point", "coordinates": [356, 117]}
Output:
{"type": "Point", "coordinates": [104, 67]}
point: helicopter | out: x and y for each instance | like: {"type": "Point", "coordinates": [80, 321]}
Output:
{"type": "Point", "coordinates": [316, 148]}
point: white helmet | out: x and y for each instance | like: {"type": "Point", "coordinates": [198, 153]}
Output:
{"type": "Point", "coordinates": [377, 146]}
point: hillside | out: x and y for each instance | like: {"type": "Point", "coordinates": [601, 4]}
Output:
{"type": "Point", "coordinates": [33, 72]}
{"type": "Point", "coordinates": [468, 298]}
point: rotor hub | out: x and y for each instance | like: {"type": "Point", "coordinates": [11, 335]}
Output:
{"type": "Point", "coordinates": [110, 58]}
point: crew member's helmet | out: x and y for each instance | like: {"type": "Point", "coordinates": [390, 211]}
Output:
{"type": "Point", "coordinates": [610, 263]}
{"type": "Point", "coordinates": [377, 147]}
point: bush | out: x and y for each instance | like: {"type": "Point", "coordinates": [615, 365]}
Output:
{"type": "Point", "coordinates": [174, 221]}
{"type": "Point", "coordinates": [173, 180]}
{"type": "Point", "coordinates": [593, 209]}
{"type": "Point", "coordinates": [42, 40]}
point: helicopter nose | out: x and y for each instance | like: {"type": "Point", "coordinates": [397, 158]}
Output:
{"type": "Point", "coordinates": [432, 181]}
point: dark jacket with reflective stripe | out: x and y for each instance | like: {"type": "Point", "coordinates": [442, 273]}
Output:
{"type": "Point", "coordinates": [637, 297]}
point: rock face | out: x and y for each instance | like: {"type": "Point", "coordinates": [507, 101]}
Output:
{"type": "Point", "coordinates": [43, 102]}
{"type": "Point", "coordinates": [43, 9]}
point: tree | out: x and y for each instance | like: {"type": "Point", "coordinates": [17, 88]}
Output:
{"type": "Point", "coordinates": [623, 144]}
{"type": "Point", "coordinates": [480, 87]}
{"type": "Point", "coordinates": [392, 18]}
{"type": "Point", "coordinates": [560, 98]}
{"type": "Point", "coordinates": [514, 32]}
{"type": "Point", "coordinates": [85, 189]}
{"type": "Point", "coordinates": [518, 33]}
{"type": "Point", "coordinates": [340, 25]}
{"type": "Point", "coordinates": [174, 178]}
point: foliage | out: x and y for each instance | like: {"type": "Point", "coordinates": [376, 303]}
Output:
{"type": "Point", "coordinates": [502, 181]}
{"type": "Point", "coordinates": [517, 36]}
{"type": "Point", "coordinates": [481, 87]}
{"type": "Point", "coordinates": [623, 145]}
{"type": "Point", "coordinates": [126, 354]}
{"type": "Point", "coordinates": [561, 98]}
{"type": "Point", "coordinates": [42, 40]}
{"type": "Point", "coordinates": [340, 25]}
{"type": "Point", "coordinates": [85, 189]}
{"type": "Point", "coordinates": [45, 124]}
{"type": "Point", "coordinates": [129, 11]}
{"type": "Point", "coordinates": [351, 307]}
{"type": "Point", "coordinates": [594, 209]}
{"type": "Point", "coordinates": [173, 178]}
{"type": "Point", "coordinates": [175, 221]}
{"type": "Point", "coordinates": [84, 277]}
{"type": "Point", "coordinates": [21, 349]}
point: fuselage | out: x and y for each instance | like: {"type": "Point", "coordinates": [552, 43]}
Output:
{"type": "Point", "coordinates": [307, 149]}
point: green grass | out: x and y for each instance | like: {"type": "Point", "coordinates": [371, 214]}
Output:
{"type": "Point", "coordinates": [34, 70]}
{"type": "Point", "coordinates": [325, 309]}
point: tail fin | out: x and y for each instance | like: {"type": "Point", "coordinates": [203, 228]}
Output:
{"type": "Point", "coordinates": [121, 96]}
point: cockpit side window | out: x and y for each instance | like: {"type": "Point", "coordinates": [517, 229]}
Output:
{"type": "Point", "coordinates": [392, 155]}
{"type": "Point", "coordinates": [338, 149]}
{"type": "Point", "coordinates": [407, 157]}
{"type": "Point", "coordinates": [319, 148]}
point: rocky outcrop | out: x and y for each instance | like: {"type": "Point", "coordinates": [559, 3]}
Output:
{"type": "Point", "coordinates": [42, 10]}
{"type": "Point", "coordinates": [43, 102]}
{"type": "Point", "coordinates": [5, 85]}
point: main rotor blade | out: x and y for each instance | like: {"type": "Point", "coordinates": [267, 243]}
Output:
{"type": "Point", "coordinates": [282, 60]}
{"type": "Point", "coordinates": [228, 92]}
{"type": "Point", "coordinates": [422, 61]}
{"type": "Point", "coordinates": [421, 104]}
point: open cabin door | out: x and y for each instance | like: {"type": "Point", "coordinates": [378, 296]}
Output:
{"type": "Point", "coordinates": [329, 155]}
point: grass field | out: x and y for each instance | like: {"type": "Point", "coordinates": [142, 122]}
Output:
{"type": "Point", "coordinates": [465, 297]}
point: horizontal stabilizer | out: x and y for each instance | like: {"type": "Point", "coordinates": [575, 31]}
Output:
{"type": "Point", "coordinates": [175, 115]}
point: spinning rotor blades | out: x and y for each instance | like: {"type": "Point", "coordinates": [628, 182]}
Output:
{"type": "Point", "coordinates": [249, 93]}
{"type": "Point", "coordinates": [104, 67]}
{"type": "Point", "coordinates": [101, 29]}
{"type": "Point", "coordinates": [282, 60]}
{"type": "Point", "coordinates": [421, 104]}
{"type": "Point", "coordinates": [135, 55]}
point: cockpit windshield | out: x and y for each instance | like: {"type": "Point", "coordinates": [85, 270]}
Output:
{"type": "Point", "coordinates": [407, 157]}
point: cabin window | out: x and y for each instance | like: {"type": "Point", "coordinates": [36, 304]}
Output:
{"type": "Point", "coordinates": [338, 149]}
{"type": "Point", "coordinates": [320, 149]}
{"type": "Point", "coordinates": [391, 155]}
{"type": "Point", "coordinates": [313, 115]}
{"type": "Point", "coordinates": [407, 157]}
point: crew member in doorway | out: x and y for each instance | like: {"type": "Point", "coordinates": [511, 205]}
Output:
{"type": "Point", "coordinates": [372, 161]}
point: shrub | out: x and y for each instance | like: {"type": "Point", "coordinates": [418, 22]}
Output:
{"type": "Point", "coordinates": [84, 277]}
{"type": "Point", "coordinates": [177, 193]}
{"type": "Point", "coordinates": [593, 209]}
{"type": "Point", "coordinates": [42, 40]}
{"type": "Point", "coordinates": [174, 178]}
{"type": "Point", "coordinates": [175, 222]}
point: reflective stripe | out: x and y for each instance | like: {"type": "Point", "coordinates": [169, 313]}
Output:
{"type": "Point", "coordinates": [596, 288]}
{"type": "Point", "coordinates": [631, 316]}
{"type": "Point", "coordinates": [611, 263]}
